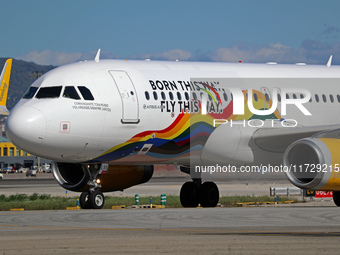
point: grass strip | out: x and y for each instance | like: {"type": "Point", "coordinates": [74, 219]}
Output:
{"type": "Point", "coordinates": [47, 202]}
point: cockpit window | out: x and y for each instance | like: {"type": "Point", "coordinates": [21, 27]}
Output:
{"type": "Point", "coordinates": [30, 92]}
{"type": "Point", "coordinates": [70, 92]}
{"type": "Point", "coordinates": [49, 92]}
{"type": "Point", "coordinates": [86, 93]}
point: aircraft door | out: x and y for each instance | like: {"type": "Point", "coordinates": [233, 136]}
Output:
{"type": "Point", "coordinates": [130, 114]}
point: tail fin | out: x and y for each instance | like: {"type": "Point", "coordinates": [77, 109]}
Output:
{"type": "Point", "coordinates": [4, 84]}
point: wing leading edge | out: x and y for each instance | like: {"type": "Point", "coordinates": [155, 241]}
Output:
{"type": "Point", "coordinates": [278, 139]}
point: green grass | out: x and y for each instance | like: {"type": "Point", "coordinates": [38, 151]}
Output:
{"type": "Point", "coordinates": [46, 202]}
{"type": "Point", "coordinates": [35, 202]}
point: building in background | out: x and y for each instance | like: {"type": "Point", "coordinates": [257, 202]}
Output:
{"type": "Point", "coordinates": [11, 156]}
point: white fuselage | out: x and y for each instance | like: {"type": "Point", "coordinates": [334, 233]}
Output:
{"type": "Point", "coordinates": [122, 125]}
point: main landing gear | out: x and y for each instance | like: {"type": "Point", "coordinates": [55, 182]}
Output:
{"type": "Point", "coordinates": [336, 198]}
{"type": "Point", "coordinates": [94, 198]}
{"type": "Point", "coordinates": [196, 192]}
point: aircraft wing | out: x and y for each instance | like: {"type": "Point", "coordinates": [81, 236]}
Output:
{"type": "Point", "coordinates": [4, 84]}
{"type": "Point", "coordinates": [278, 139]}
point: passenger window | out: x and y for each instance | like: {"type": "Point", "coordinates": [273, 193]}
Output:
{"type": "Point", "coordinates": [163, 95]}
{"type": "Point", "coordinates": [179, 96]}
{"type": "Point", "coordinates": [210, 99]}
{"type": "Point", "coordinates": [30, 92]}
{"type": "Point", "coordinates": [147, 96]}
{"type": "Point", "coordinates": [331, 98]}
{"type": "Point", "coordinates": [287, 96]}
{"type": "Point", "coordinates": [49, 92]}
{"type": "Point", "coordinates": [225, 97]}
{"type": "Point", "coordinates": [338, 96]}
{"type": "Point", "coordinates": [70, 92]}
{"type": "Point", "coordinates": [201, 97]}
{"type": "Point", "coordinates": [155, 96]}
{"type": "Point", "coordinates": [267, 97]}
{"type": "Point", "coordinates": [171, 96]}
{"type": "Point", "coordinates": [301, 96]}
{"type": "Point", "coordinates": [186, 95]}
{"type": "Point", "coordinates": [255, 97]}
{"type": "Point", "coordinates": [294, 96]}
{"type": "Point", "coordinates": [279, 97]}
{"type": "Point", "coordinates": [194, 96]}
{"type": "Point", "coordinates": [86, 93]}
{"type": "Point", "coordinates": [324, 98]}
{"type": "Point", "coordinates": [316, 98]}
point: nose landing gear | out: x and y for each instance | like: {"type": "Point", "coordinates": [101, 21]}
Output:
{"type": "Point", "coordinates": [94, 198]}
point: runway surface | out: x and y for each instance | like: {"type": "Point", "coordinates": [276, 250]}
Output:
{"type": "Point", "coordinates": [260, 230]}
{"type": "Point", "coordinates": [255, 184]}
{"type": "Point", "coordinates": [309, 228]}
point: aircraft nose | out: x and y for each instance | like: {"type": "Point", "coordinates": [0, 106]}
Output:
{"type": "Point", "coordinates": [26, 127]}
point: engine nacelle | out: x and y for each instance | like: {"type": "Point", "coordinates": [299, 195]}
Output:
{"type": "Point", "coordinates": [74, 177]}
{"type": "Point", "coordinates": [314, 163]}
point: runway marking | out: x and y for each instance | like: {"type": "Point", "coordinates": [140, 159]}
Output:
{"type": "Point", "coordinates": [24, 212]}
{"type": "Point", "coordinates": [268, 233]}
{"type": "Point", "coordinates": [78, 228]}
{"type": "Point", "coordinates": [3, 225]}
{"type": "Point", "coordinates": [191, 231]}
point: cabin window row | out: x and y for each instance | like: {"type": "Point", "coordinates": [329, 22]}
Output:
{"type": "Point", "coordinates": [171, 96]}
{"type": "Point", "coordinates": [227, 97]}
{"type": "Point", "coordinates": [195, 96]}
{"type": "Point", "coordinates": [323, 98]}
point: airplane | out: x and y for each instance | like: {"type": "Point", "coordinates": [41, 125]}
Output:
{"type": "Point", "coordinates": [106, 123]}
{"type": "Point", "coordinates": [4, 84]}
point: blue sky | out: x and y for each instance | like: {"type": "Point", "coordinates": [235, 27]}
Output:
{"type": "Point", "coordinates": [60, 32]}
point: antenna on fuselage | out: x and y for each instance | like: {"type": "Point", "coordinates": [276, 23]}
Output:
{"type": "Point", "coordinates": [97, 56]}
{"type": "Point", "coordinates": [329, 63]}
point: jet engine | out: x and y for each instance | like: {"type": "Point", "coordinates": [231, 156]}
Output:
{"type": "Point", "coordinates": [314, 163]}
{"type": "Point", "coordinates": [75, 177]}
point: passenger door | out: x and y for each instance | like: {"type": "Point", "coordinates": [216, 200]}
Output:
{"type": "Point", "coordinates": [130, 114]}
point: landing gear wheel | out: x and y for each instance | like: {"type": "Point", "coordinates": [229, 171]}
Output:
{"type": "Point", "coordinates": [189, 195]}
{"type": "Point", "coordinates": [96, 199]}
{"type": "Point", "coordinates": [209, 194]}
{"type": "Point", "coordinates": [336, 198]}
{"type": "Point", "coordinates": [84, 200]}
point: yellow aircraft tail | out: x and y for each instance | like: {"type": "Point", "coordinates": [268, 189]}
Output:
{"type": "Point", "coordinates": [4, 84]}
